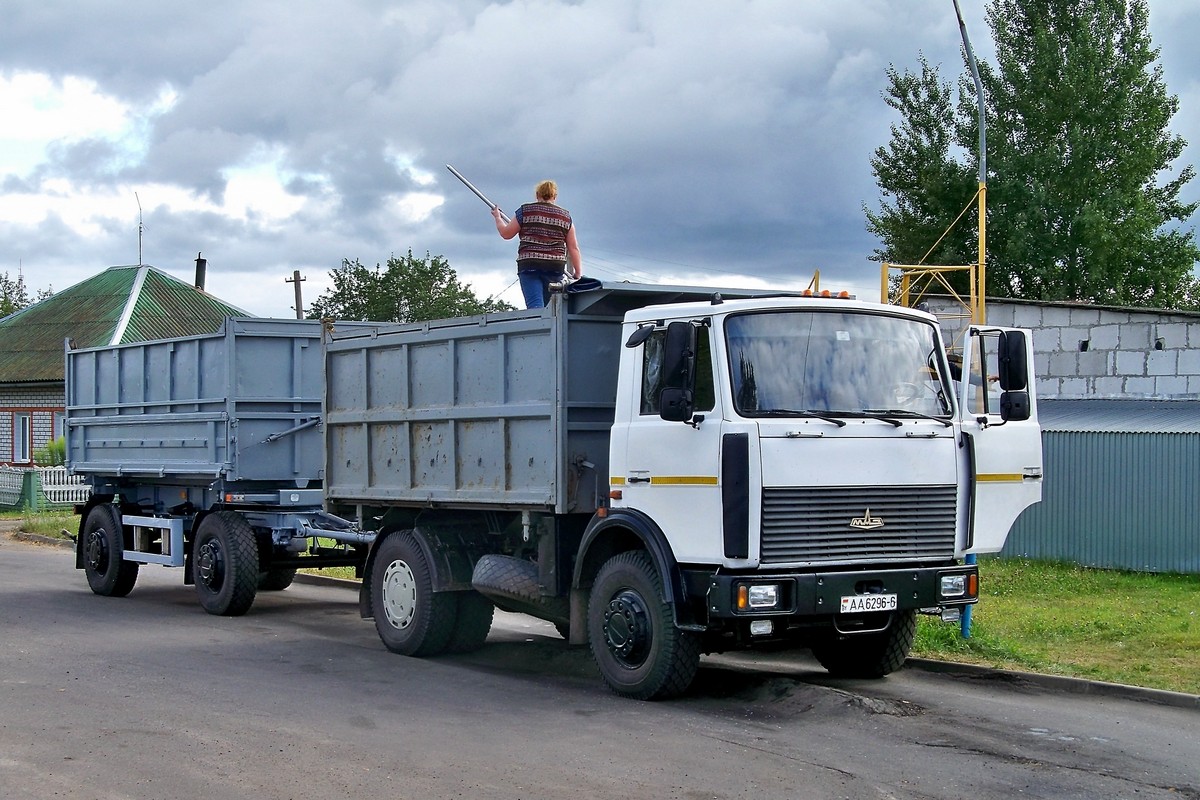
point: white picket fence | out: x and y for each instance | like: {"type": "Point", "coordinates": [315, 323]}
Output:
{"type": "Point", "coordinates": [10, 485]}
{"type": "Point", "coordinates": [62, 488]}
{"type": "Point", "coordinates": [58, 486]}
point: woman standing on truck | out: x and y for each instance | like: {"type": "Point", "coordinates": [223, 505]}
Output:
{"type": "Point", "coordinates": [547, 239]}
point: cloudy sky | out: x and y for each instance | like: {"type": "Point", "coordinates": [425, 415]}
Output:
{"type": "Point", "coordinates": [699, 141]}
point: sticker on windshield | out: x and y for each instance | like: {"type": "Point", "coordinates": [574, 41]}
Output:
{"type": "Point", "coordinates": [843, 336]}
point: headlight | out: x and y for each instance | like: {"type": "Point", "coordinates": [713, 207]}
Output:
{"type": "Point", "coordinates": [758, 596]}
{"type": "Point", "coordinates": [953, 586]}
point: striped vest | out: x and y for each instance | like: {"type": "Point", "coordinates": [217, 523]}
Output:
{"type": "Point", "coordinates": [544, 229]}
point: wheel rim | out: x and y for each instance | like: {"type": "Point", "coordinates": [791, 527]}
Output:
{"type": "Point", "coordinates": [399, 594]}
{"type": "Point", "coordinates": [210, 564]}
{"type": "Point", "coordinates": [627, 629]}
{"type": "Point", "coordinates": [96, 551]}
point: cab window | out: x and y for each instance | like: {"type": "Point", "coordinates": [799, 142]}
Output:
{"type": "Point", "coordinates": [652, 372]}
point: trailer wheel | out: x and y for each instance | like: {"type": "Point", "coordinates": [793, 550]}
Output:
{"type": "Point", "coordinates": [225, 564]}
{"type": "Point", "coordinates": [276, 580]}
{"type": "Point", "coordinates": [108, 573]}
{"type": "Point", "coordinates": [411, 618]}
{"type": "Point", "coordinates": [640, 652]}
{"type": "Point", "coordinates": [472, 623]}
{"type": "Point", "coordinates": [869, 655]}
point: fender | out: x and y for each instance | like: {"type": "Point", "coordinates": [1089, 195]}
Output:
{"type": "Point", "coordinates": [632, 528]}
{"type": "Point", "coordinates": [450, 572]}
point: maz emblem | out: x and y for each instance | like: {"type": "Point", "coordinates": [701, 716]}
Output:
{"type": "Point", "coordinates": [866, 522]}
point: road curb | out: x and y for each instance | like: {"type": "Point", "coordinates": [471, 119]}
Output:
{"type": "Point", "coordinates": [1060, 683]}
{"type": "Point", "coordinates": [38, 538]}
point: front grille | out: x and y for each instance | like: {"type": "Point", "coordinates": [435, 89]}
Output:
{"type": "Point", "coordinates": [812, 525]}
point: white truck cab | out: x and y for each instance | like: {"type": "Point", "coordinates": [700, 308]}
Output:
{"type": "Point", "coordinates": [818, 468]}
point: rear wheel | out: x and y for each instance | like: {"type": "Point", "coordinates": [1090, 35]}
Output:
{"type": "Point", "coordinates": [632, 633]}
{"type": "Point", "coordinates": [870, 655]}
{"type": "Point", "coordinates": [472, 623]}
{"type": "Point", "coordinates": [276, 580]}
{"type": "Point", "coordinates": [225, 564]}
{"type": "Point", "coordinates": [411, 618]}
{"type": "Point", "coordinates": [104, 564]}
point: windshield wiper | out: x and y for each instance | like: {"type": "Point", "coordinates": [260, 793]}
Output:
{"type": "Point", "coordinates": [898, 412]}
{"type": "Point", "coordinates": [787, 412]}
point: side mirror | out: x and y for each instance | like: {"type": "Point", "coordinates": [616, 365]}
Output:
{"type": "Point", "coordinates": [1014, 369]}
{"type": "Point", "coordinates": [1014, 406]}
{"type": "Point", "coordinates": [677, 401]}
{"type": "Point", "coordinates": [676, 405]}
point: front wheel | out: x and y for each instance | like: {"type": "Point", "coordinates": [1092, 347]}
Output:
{"type": "Point", "coordinates": [869, 655]}
{"type": "Point", "coordinates": [411, 618]}
{"type": "Point", "coordinates": [632, 633]}
{"type": "Point", "coordinates": [104, 564]}
{"type": "Point", "coordinates": [225, 564]}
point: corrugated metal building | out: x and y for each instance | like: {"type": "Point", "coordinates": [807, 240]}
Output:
{"type": "Point", "coordinates": [1122, 486]}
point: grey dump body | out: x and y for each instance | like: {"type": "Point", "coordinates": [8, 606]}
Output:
{"type": "Point", "coordinates": [509, 410]}
{"type": "Point", "coordinates": [239, 406]}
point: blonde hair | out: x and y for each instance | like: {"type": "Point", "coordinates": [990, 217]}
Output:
{"type": "Point", "coordinates": [546, 190]}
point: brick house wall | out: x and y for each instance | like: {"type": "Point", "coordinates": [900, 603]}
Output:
{"type": "Point", "coordinates": [41, 402]}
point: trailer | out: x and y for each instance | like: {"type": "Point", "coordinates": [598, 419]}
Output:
{"type": "Point", "coordinates": [659, 471]}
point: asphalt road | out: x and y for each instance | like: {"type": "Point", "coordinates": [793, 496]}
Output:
{"type": "Point", "coordinates": [149, 697]}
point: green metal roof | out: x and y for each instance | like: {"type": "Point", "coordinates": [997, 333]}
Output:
{"type": "Point", "coordinates": [121, 304]}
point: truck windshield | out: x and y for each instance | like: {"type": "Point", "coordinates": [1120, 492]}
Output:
{"type": "Point", "coordinates": [856, 364]}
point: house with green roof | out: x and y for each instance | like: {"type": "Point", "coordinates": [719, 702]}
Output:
{"type": "Point", "coordinates": [119, 305]}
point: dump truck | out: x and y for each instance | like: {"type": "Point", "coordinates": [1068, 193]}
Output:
{"type": "Point", "coordinates": [661, 472]}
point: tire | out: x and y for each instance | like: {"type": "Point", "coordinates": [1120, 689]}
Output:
{"type": "Point", "coordinates": [225, 564]}
{"type": "Point", "coordinates": [411, 618]}
{"type": "Point", "coordinates": [512, 584]}
{"type": "Point", "coordinates": [472, 623]}
{"type": "Point", "coordinates": [632, 633]}
{"type": "Point", "coordinates": [869, 655]}
{"type": "Point", "coordinates": [103, 546]}
{"type": "Point", "coordinates": [276, 580]}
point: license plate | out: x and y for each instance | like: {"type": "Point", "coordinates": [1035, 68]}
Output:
{"type": "Point", "coordinates": [860, 603]}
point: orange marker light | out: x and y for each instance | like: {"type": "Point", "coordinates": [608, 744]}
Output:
{"type": "Point", "coordinates": [743, 598]}
{"type": "Point", "coordinates": [972, 585]}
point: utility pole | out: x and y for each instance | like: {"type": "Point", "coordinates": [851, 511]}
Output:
{"type": "Point", "coordinates": [297, 280]}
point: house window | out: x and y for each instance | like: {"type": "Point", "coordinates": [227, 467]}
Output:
{"type": "Point", "coordinates": [22, 437]}
{"type": "Point", "coordinates": [60, 425]}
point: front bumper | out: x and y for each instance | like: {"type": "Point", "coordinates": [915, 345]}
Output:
{"type": "Point", "coordinates": [820, 594]}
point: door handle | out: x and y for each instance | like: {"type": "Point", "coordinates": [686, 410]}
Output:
{"type": "Point", "coordinates": [636, 479]}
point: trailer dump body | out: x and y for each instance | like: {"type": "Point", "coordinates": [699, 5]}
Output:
{"type": "Point", "coordinates": [229, 406]}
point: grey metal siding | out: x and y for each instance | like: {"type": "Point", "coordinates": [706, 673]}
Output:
{"type": "Point", "coordinates": [1116, 500]}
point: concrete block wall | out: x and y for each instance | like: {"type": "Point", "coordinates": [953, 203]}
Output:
{"type": "Point", "coordinates": [1101, 351]}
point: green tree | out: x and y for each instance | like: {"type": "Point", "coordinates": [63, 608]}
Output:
{"type": "Point", "coordinates": [923, 186]}
{"type": "Point", "coordinates": [14, 294]}
{"type": "Point", "coordinates": [409, 289]}
{"type": "Point", "coordinates": [1082, 201]}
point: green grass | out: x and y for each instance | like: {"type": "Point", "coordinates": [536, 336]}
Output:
{"type": "Point", "coordinates": [1062, 619]}
{"type": "Point", "coordinates": [44, 523]}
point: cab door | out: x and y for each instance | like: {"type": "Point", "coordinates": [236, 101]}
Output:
{"type": "Point", "coordinates": [670, 470]}
{"type": "Point", "coordinates": [1002, 441]}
